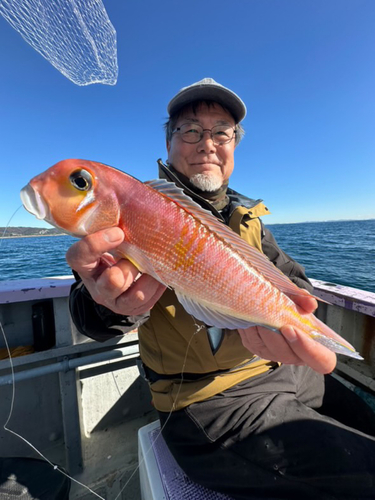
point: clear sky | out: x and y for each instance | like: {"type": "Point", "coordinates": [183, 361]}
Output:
{"type": "Point", "coordinates": [305, 70]}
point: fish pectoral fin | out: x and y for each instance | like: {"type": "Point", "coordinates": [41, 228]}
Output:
{"type": "Point", "coordinates": [211, 316]}
{"type": "Point", "coordinates": [139, 260]}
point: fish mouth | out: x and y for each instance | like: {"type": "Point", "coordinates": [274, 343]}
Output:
{"type": "Point", "coordinates": [34, 203]}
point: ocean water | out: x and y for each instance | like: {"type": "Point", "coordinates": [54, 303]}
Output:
{"type": "Point", "coordinates": [34, 257]}
{"type": "Point", "coordinates": [340, 252]}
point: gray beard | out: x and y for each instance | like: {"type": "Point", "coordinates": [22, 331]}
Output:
{"type": "Point", "coordinates": [206, 182]}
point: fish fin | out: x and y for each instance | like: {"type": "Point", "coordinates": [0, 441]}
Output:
{"type": "Point", "coordinates": [335, 346]}
{"type": "Point", "coordinates": [177, 194]}
{"type": "Point", "coordinates": [139, 260]}
{"type": "Point", "coordinates": [252, 255]}
{"type": "Point", "coordinates": [211, 316]}
{"type": "Point", "coordinates": [332, 340]}
{"type": "Point", "coordinates": [306, 294]}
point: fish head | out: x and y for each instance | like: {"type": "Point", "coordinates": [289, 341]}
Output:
{"type": "Point", "coordinates": [73, 195]}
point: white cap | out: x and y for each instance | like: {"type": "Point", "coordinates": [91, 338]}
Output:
{"type": "Point", "coordinates": [208, 89]}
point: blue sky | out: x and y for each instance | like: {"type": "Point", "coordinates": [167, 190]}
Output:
{"type": "Point", "coordinates": [305, 70]}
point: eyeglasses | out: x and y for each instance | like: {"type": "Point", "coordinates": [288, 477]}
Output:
{"type": "Point", "coordinates": [192, 133]}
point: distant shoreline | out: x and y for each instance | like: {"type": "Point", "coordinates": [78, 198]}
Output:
{"type": "Point", "coordinates": [31, 236]}
{"type": "Point", "coordinates": [51, 231]}
{"type": "Point", "coordinates": [318, 221]}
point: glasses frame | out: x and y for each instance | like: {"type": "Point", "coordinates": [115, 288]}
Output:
{"type": "Point", "coordinates": [178, 129]}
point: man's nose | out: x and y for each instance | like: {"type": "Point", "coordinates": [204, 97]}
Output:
{"type": "Point", "coordinates": [206, 144]}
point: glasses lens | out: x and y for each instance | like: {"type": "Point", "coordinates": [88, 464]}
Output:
{"type": "Point", "coordinates": [191, 132]}
{"type": "Point", "coordinates": [222, 134]}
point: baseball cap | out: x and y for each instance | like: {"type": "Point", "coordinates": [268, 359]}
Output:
{"type": "Point", "coordinates": [208, 89]}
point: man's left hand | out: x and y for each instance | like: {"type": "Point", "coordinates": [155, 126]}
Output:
{"type": "Point", "coordinates": [292, 346]}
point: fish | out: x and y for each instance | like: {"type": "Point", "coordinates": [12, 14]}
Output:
{"type": "Point", "coordinates": [219, 278]}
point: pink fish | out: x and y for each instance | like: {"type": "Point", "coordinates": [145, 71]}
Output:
{"type": "Point", "coordinates": [217, 277]}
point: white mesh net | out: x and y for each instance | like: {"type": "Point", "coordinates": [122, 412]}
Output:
{"type": "Point", "coordinates": [75, 36]}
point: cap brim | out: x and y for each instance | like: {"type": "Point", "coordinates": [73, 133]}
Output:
{"type": "Point", "coordinates": [216, 93]}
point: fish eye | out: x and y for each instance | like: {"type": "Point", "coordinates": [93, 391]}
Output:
{"type": "Point", "coordinates": [81, 180]}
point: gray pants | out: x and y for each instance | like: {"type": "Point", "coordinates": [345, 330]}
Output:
{"type": "Point", "coordinates": [269, 438]}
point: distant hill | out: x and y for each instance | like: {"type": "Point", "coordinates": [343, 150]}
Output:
{"type": "Point", "coordinates": [14, 232]}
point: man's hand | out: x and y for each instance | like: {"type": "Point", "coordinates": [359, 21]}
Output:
{"type": "Point", "coordinates": [292, 346]}
{"type": "Point", "coordinates": [110, 283]}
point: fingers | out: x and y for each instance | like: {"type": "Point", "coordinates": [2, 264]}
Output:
{"type": "Point", "coordinates": [310, 352]}
{"type": "Point", "coordinates": [268, 345]}
{"type": "Point", "coordinates": [253, 342]}
{"type": "Point", "coordinates": [115, 285]}
{"type": "Point", "coordinates": [291, 346]}
{"type": "Point", "coordinates": [116, 289]}
{"type": "Point", "coordinates": [108, 283]}
{"type": "Point", "coordinates": [141, 297]}
{"type": "Point", "coordinates": [85, 256]}
{"type": "Point", "coordinates": [306, 304]}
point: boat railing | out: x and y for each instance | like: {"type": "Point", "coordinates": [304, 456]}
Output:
{"type": "Point", "coordinates": [351, 313]}
{"type": "Point", "coordinates": [63, 377]}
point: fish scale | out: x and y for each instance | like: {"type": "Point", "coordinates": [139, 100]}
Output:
{"type": "Point", "coordinates": [205, 272]}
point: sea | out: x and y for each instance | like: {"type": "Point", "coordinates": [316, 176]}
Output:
{"type": "Point", "coordinates": [341, 252]}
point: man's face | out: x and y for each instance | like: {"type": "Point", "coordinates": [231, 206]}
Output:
{"type": "Point", "coordinates": [205, 164]}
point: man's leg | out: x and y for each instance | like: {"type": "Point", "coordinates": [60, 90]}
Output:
{"type": "Point", "coordinates": [344, 405]}
{"type": "Point", "coordinates": [262, 440]}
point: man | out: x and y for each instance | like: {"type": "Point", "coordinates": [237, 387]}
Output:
{"type": "Point", "coordinates": [235, 419]}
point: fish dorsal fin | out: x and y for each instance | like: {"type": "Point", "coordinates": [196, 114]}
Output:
{"type": "Point", "coordinates": [177, 194]}
{"type": "Point", "coordinates": [250, 254]}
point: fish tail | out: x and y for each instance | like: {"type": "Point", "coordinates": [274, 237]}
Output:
{"type": "Point", "coordinates": [324, 335]}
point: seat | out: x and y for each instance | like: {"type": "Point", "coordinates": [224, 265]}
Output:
{"type": "Point", "coordinates": [161, 477]}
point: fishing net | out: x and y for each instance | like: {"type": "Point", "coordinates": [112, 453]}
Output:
{"type": "Point", "coordinates": [75, 36]}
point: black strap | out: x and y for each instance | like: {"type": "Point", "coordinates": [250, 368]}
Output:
{"type": "Point", "coordinates": [151, 376]}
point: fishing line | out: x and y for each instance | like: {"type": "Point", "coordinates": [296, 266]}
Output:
{"type": "Point", "coordinates": [148, 450]}
{"type": "Point", "coordinates": [9, 221]}
{"type": "Point", "coordinates": [5, 426]}
{"type": "Point", "coordinates": [56, 467]}
{"type": "Point", "coordinates": [13, 396]}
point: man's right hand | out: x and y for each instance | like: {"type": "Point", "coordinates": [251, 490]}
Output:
{"type": "Point", "coordinates": [110, 283]}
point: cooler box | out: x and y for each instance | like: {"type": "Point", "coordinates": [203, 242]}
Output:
{"type": "Point", "coordinates": [160, 476]}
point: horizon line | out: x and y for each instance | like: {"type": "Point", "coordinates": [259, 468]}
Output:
{"type": "Point", "coordinates": [50, 226]}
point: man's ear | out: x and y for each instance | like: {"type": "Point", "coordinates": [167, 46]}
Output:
{"type": "Point", "coordinates": [168, 145]}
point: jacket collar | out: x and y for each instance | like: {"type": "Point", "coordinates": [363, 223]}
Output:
{"type": "Point", "coordinates": [235, 199]}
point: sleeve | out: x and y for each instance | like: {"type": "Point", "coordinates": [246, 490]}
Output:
{"type": "Point", "coordinates": [96, 321]}
{"type": "Point", "coordinates": [283, 261]}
